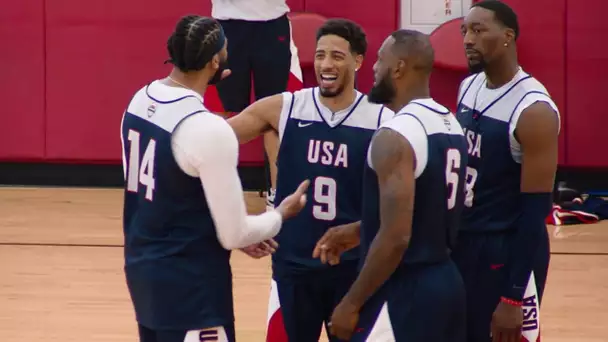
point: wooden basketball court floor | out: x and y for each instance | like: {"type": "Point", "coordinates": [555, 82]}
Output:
{"type": "Point", "coordinates": [61, 276]}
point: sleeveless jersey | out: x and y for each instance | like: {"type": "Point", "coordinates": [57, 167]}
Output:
{"type": "Point", "coordinates": [489, 117]}
{"type": "Point", "coordinates": [331, 155]}
{"type": "Point", "coordinates": [441, 156]}
{"type": "Point", "coordinates": [178, 274]}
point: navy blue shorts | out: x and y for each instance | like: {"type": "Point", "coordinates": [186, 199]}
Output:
{"type": "Point", "coordinates": [417, 304]}
{"type": "Point", "coordinates": [482, 259]}
{"type": "Point", "coordinates": [306, 301]}
{"type": "Point", "coordinates": [225, 334]}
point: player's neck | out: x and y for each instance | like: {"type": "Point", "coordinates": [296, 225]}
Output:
{"type": "Point", "coordinates": [501, 73]}
{"type": "Point", "coordinates": [409, 94]}
{"type": "Point", "coordinates": [340, 102]}
{"type": "Point", "coordinates": [189, 81]}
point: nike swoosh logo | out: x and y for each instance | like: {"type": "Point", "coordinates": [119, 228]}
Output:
{"type": "Point", "coordinates": [301, 124]}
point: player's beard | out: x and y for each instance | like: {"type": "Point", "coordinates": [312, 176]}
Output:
{"type": "Point", "coordinates": [478, 67]}
{"type": "Point", "coordinates": [333, 93]}
{"type": "Point", "coordinates": [217, 77]}
{"type": "Point", "coordinates": [383, 92]}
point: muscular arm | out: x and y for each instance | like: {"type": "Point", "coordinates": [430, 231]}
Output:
{"type": "Point", "coordinates": [257, 119]}
{"type": "Point", "coordinates": [204, 146]}
{"type": "Point", "coordinates": [537, 131]}
{"type": "Point", "coordinates": [394, 162]}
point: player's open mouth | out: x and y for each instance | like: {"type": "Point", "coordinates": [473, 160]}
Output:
{"type": "Point", "coordinates": [327, 80]}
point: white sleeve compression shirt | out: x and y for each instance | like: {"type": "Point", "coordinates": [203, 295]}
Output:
{"type": "Point", "coordinates": [205, 146]}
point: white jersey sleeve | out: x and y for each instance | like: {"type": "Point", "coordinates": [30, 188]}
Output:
{"type": "Point", "coordinates": [205, 146]}
{"type": "Point", "coordinates": [412, 130]}
{"type": "Point", "coordinates": [286, 108]}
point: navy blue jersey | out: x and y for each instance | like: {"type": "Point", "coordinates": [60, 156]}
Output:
{"type": "Point", "coordinates": [177, 272]}
{"type": "Point", "coordinates": [440, 148]}
{"type": "Point", "coordinates": [489, 117]}
{"type": "Point", "coordinates": [330, 153]}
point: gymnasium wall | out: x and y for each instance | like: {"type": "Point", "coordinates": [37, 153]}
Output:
{"type": "Point", "coordinates": [69, 68]}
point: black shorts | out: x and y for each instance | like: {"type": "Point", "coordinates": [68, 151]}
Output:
{"type": "Point", "coordinates": [259, 49]}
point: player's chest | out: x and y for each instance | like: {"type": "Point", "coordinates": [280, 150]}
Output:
{"type": "Point", "coordinates": [487, 137]}
{"type": "Point", "coordinates": [338, 147]}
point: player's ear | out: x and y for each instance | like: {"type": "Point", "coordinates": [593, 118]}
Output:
{"type": "Point", "coordinates": [400, 68]}
{"type": "Point", "coordinates": [215, 61]}
{"type": "Point", "coordinates": [358, 62]}
{"type": "Point", "coordinates": [509, 37]}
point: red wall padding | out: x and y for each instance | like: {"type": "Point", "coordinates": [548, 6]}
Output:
{"type": "Point", "coordinates": [541, 48]}
{"type": "Point", "coordinates": [98, 54]}
{"type": "Point", "coordinates": [586, 75]}
{"type": "Point", "coordinates": [72, 66]}
{"type": "Point", "coordinates": [22, 72]}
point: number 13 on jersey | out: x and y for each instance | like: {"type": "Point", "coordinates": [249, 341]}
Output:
{"type": "Point", "coordinates": [324, 196]}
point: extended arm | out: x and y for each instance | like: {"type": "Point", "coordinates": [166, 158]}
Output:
{"type": "Point", "coordinates": [204, 146]}
{"type": "Point", "coordinates": [537, 131]}
{"type": "Point", "coordinates": [393, 160]}
{"type": "Point", "coordinates": [257, 119]}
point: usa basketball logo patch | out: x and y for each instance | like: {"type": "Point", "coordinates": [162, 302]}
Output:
{"type": "Point", "coordinates": [151, 110]}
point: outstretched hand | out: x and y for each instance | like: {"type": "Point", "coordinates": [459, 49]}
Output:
{"type": "Point", "coordinates": [336, 241]}
{"type": "Point", "coordinates": [295, 202]}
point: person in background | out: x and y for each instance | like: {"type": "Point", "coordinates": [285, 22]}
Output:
{"type": "Point", "coordinates": [260, 36]}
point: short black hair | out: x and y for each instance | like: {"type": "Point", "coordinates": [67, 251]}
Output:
{"type": "Point", "coordinates": [503, 13]}
{"type": "Point", "coordinates": [347, 29]}
{"type": "Point", "coordinates": [194, 42]}
{"type": "Point", "coordinates": [415, 45]}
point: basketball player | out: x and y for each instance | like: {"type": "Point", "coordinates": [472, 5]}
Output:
{"type": "Point", "coordinates": [324, 133]}
{"type": "Point", "coordinates": [177, 233]}
{"type": "Point", "coordinates": [408, 288]}
{"type": "Point", "coordinates": [512, 126]}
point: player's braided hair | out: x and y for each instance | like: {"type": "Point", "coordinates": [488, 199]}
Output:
{"type": "Point", "coordinates": [194, 42]}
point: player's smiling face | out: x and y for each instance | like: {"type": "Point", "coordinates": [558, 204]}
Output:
{"type": "Point", "coordinates": [335, 65]}
{"type": "Point", "coordinates": [484, 38]}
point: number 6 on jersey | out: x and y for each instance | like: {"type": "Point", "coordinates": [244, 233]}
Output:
{"type": "Point", "coordinates": [324, 193]}
{"type": "Point", "coordinates": [451, 175]}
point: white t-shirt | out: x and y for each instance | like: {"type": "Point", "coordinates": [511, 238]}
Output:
{"type": "Point", "coordinates": [250, 10]}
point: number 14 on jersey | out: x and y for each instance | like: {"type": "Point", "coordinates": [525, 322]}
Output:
{"type": "Point", "coordinates": [140, 174]}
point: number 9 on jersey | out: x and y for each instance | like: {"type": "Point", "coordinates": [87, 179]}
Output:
{"type": "Point", "coordinates": [324, 195]}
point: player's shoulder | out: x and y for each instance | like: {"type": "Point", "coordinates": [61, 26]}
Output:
{"type": "Point", "coordinates": [204, 130]}
{"type": "Point", "coordinates": [304, 94]}
{"type": "Point", "coordinates": [432, 116]}
{"type": "Point", "coordinates": [469, 81]}
{"type": "Point", "coordinates": [367, 115]}
{"type": "Point", "coordinates": [532, 91]}
{"type": "Point", "coordinates": [532, 84]}
{"type": "Point", "coordinates": [158, 97]}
